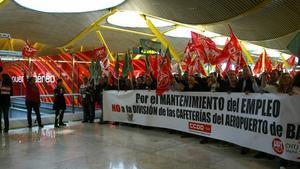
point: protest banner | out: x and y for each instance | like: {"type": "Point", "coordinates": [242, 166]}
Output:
{"type": "Point", "coordinates": [265, 122]}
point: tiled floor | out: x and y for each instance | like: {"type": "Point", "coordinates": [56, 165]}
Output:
{"type": "Point", "coordinates": [94, 146]}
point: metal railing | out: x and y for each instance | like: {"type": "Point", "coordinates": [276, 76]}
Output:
{"type": "Point", "coordinates": [18, 107]}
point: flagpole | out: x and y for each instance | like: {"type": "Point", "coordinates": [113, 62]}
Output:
{"type": "Point", "coordinates": [29, 66]}
{"type": "Point", "coordinates": [263, 61]}
{"type": "Point", "coordinates": [118, 73]}
{"type": "Point", "coordinates": [73, 78]}
{"type": "Point", "coordinates": [132, 69]}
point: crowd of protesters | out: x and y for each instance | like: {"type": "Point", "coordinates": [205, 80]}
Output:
{"type": "Point", "coordinates": [244, 81]}
{"type": "Point", "coordinates": [92, 92]}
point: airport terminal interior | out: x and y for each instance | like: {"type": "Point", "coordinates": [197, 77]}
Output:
{"type": "Point", "coordinates": [149, 84]}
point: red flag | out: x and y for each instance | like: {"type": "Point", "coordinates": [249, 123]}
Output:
{"type": "Point", "coordinates": [100, 52]}
{"type": "Point", "coordinates": [164, 76]}
{"type": "Point", "coordinates": [268, 63]}
{"type": "Point", "coordinates": [198, 66]}
{"type": "Point", "coordinates": [218, 68]}
{"type": "Point", "coordinates": [103, 57]}
{"type": "Point", "coordinates": [293, 72]}
{"type": "Point", "coordinates": [231, 50]}
{"type": "Point", "coordinates": [187, 59]}
{"type": "Point", "coordinates": [28, 50]}
{"type": "Point", "coordinates": [241, 62]}
{"type": "Point", "coordinates": [205, 47]}
{"type": "Point", "coordinates": [258, 65]}
{"type": "Point", "coordinates": [153, 59]}
{"type": "Point", "coordinates": [279, 66]}
{"type": "Point", "coordinates": [227, 68]}
{"type": "Point", "coordinates": [291, 60]}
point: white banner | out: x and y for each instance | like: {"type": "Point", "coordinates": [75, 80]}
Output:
{"type": "Point", "coordinates": [265, 122]}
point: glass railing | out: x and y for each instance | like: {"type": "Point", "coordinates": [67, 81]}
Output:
{"type": "Point", "coordinates": [18, 108]}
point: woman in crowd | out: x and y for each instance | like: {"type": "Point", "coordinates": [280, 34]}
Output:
{"type": "Point", "coordinates": [59, 104]}
{"type": "Point", "coordinates": [32, 100]}
{"type": "Point", "coordinates": [231, 84]}
{"type": "Point", "coordinates": [6, 91]}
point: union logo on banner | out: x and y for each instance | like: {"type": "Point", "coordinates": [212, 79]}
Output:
{"type": "Point", "coordinates": [278, 146]}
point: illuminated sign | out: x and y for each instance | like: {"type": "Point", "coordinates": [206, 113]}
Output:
{"type": "Point", "coordinates": [148, 52]}
{"type": "Point", "coordinates": [10, 53]}
{"type": "Point", "coordinates": [4, 35]}
{"type": "Point", "coordinates": [39, 78]}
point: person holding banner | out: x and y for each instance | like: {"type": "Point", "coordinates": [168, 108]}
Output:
{"type": "Point", "coordinates": [192, 85]}
{"type": "Point", "coordinates": [248, 82]}
{"type": "Point", "coordinates": [297, 82]}
{"type": "Point", "coordinates": [59, 104]}
{"type": "Point", "coordinates": [270, 85]}
{"type": "Point", "coordinates": [140, 85]}
{"type": "Point", "coordinates": [150, 84]}
{"type": "Point", "coordinates": [213, 84]}
{"type": "Point", "coordinates": [285, 86]}
{"type": "Point", "coordinates": [231, 85]}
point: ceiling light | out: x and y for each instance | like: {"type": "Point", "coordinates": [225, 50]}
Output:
{"type": "Point", "coordinates": [134, 20]}
{"type": "Point", "coordinates": [181, 32]}
{"type": "Point", "coordinates": [221, 40]}
{"type": "Point", "coordinates": [253, 48]}
{"type": "Point", "coordinates": [184, 32]}
{"type": "Point", "coordinates": [68, 6]}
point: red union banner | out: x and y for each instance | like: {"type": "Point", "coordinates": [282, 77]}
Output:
{"type": "Point", "coordinates": [265, 122]}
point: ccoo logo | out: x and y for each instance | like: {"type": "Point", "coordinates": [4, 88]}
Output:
{"type": "Point", "coordinates": [278, 146]}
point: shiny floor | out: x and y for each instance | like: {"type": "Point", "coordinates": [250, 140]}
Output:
{"type": "Point", "coordinates": [94, 146]}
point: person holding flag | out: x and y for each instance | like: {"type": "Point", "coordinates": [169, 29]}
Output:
{"type": "Point", "coordinates": [164, 77]}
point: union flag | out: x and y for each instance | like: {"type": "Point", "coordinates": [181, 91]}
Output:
{"type": "Point", "coordinates": [28, 50]}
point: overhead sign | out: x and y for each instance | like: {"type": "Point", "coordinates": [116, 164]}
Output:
{"type": "Point", "coordinates": [10, 53]}
{"type": "Point", "coordinates": [5, 35]}
{"type": "Point", "coordinates": [150, 45]}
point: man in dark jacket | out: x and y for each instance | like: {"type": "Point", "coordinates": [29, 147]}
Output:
{"type": "Point", "coordinates": [59, 104]}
